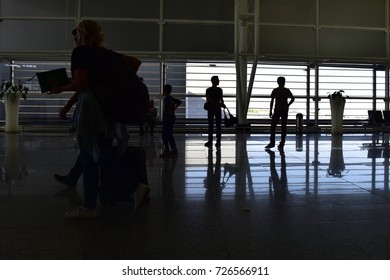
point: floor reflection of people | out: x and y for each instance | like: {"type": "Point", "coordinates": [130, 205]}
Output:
{"type": "Point", "coordinates": [168, 167]}
{"type": "Point", "coordinates": [228, 171]}
{"type": "Point", "coordinates": [212, 182]}
{"type": "Point", "coordinates": [151, 149]}
{"type": "Point", "coordinates": [278, 184]}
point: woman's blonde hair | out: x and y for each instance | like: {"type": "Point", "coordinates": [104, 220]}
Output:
{"type": "Point", "coordinates": [91, 33]}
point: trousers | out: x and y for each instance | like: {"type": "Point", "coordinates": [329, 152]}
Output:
{"type": "Point", "coordinates": [214, 114]}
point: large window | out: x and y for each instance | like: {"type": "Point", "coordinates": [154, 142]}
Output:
{"type": "Point", "coordinates": [265, 82]}
{"type": "Point", "coordinates": [38, 108]}
{"type": "Point", "coordinates": [364, 87]}
{"type": "Point", "coordinates": [198, 79]}
{"type": "Point", "coordinates": [358, 84]}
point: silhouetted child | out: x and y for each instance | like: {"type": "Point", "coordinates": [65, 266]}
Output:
{"type": "Point", "coordinates": [169, 106]}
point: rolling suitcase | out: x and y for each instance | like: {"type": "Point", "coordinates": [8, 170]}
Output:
{"type": "Point", "coordinates": [121, 176]}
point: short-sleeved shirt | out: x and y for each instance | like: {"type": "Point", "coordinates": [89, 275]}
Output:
{"type": "Point", "coordinates": [168, 104]}
{"type": "Point", "coordinates": [281, 96]}
{"type": "Point", "coordinates": [84, 57]}
{"type": "Point", "coordinates": [214, 96]}
{"type": "Point", "coordinates": [91, 59]}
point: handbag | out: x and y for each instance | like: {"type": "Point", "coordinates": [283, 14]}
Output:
{"type": "Point", "coordinates": [206, 106]}
{"type": "Point", "coordinates": [230, 120]}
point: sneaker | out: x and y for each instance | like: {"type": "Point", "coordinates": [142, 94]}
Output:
{"type": "Point", "coordinates": [218, 145]}
{"type": "Point", "coordinates": [208, 144]}
{"type": "Point", "coordinates": [281, 145]}
{"type": "Point", "coordinates": [81, 213]}
{"type": "Point", "coordinates": [270, 145]}
{"type": "Point", "coordinates": [65, 180]}
{"type": "Point", "coordinates": [141, 196]}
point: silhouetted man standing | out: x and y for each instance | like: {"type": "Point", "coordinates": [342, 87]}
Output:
{"type": "Point", "coordinates": [280, 97]}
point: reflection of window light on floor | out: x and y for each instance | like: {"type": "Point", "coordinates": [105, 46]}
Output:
{"type": "Point", "coordinates": [197, 165]}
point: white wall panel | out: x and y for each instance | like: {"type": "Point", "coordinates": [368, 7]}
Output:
{"type": "Point", "coordinates": [36, 35]}
{"type": "Point", "coordinates": [199, 38]}
{"type": "Point", "coordinates": [121, 8]}
{"type": "Point", "coordinates": [295, 28]}
{"type": "Point", "coordinates": [218, 10]}
{"type": "Point", "coordinates": [38, 8]}
{"type": "Point", "coordinates": [363, 13]}
{"type": "Point", "coordinates": [352, 43]}
{"type": "Point", "coordinates": [130, 36]}
{"type": "Point", "coordinates": [288, 11]}
{"type": "Point", "coordinates": [298, 41]}
{"type": "Point", "coordinates": [339, 28]}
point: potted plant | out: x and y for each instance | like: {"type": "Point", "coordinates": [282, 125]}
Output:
{"type": "Point", "coordinates": [337, 103]}
{"type": "Point", "coordinates": [11, 93]}
{"type": "Point", "coordinates": [337, 94]}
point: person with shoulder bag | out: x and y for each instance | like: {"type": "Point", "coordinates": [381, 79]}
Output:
{"type": "Point", "coordinates": [93, 130]}
{"type": "Point", "coordinates": [214, 103]}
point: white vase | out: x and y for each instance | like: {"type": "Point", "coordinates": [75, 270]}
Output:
{"type": "Point", "coordinates": [11, 104]}
{"type": "Point", "coordinates": [337, 110]}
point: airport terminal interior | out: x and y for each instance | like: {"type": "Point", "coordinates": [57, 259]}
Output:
{"type": "Point", "coordinates": [323, 196]}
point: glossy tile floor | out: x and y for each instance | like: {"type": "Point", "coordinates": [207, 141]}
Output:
{"type": "Point", "coordinates": [323, 198]}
